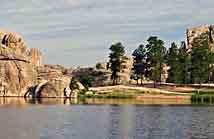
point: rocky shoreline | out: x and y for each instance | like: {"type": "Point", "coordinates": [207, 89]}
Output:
{"type": "Point", "coordinates": [22, 73]}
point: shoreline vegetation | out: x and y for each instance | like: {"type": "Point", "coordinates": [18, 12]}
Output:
{"type": "Point", "coordinates": [166, 91]}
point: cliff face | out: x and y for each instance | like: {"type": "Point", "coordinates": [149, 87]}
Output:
{"type": "Point", "coordinates": [200, 32]}
{"type": "Point", "coordinates": [22, 72]}
{"type": "Point", "coordinates": [16, 42]}
{"type": "Point", "coordinates": [17, 73]}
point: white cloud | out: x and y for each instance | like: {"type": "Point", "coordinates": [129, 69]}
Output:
{"type": "Point", "coordinates": [96, 23]}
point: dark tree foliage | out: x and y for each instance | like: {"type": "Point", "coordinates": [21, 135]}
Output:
{"type": "Point", "coordinates": [87, 80]}
{"type": "Point", "coordinates": [173, 62]}
{"type": "Point", "coordinates": [139, 65]}
{"type": "Point", "coordinates": [200, 58]}
{"type": "Point", "coordinates": [211, 70]}
{"type": "Point", "coordinates": [187, 65]}
{"type": "Point", "coordinates": [99, 66]}
{"type": "Point", "coordinates": [184, 64]}
{"type": "Point", "coordinates": [178, 60]}
{"type": "Point", "coordinates": [73, 85]}
{"type": "Point", "coordinates": [116, 60]}
{"type": "Point", "coordinates": [155, 58]}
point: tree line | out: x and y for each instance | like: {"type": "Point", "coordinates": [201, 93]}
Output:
{"type": "Point", "coordinates": [186, 65]}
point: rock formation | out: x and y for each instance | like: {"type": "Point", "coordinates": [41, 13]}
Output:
{"type": "Point", "coordinates": [53, 81]}
{"type": "Point", "coordinates": [165, 73]}
{"type": "Point", "coordinates": [22, 72]}
{"type": "Point", "coordinates": [201, 32]}
{"type": "Point", "coordinates": [17, 74]}
{"type": "Point", "coordinates": [101, 76]}
{"type": "Point", "coordinates": [48, 72]}
{"type": "Point", "coordinates": [14, 41]}
{"type": "Point", "coordinates": [55, 87]}
{"type": "Point", "coordinates": [127, 70]}
{"type": "Point", "coordinates": [36, 56]}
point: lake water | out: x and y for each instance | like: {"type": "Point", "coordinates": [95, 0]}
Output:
{"type": "Point", "coordinates": [103, 119]}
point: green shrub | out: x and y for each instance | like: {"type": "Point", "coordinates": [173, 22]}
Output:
{"type": "Point", "coordinates": [87, 80]}
{"type": "Point", "coordinates": [99, 66]}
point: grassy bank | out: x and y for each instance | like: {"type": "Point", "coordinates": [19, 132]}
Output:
{"type": "Point", "coordinates": [109, 96]}
{"type": "Point", "coordinates": [203, 97]}
{"type": "Point", "coordinates": [112, 94]}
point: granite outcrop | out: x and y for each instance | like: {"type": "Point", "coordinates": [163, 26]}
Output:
{"type": "Point", "coordinates": [22, 73]}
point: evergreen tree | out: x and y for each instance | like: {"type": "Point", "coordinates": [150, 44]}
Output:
{"type": "Point", "coordinates": [139, 64]}
{"type": "Point", "coordinates": [211, 70]}
{"type": "Point", "coordinates": [116, 60]}
{"type": "Point", "coordinates": [173, 62]}
{"type": "Point", "coordinates": [184, 63]}
{"type": "Point", "coordinates": [200, 59]}
{"type": "Point", "coordinates": [155, 58]}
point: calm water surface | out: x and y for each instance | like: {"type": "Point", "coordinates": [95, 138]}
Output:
{"type": "Point", "coordinates": [21, 119]}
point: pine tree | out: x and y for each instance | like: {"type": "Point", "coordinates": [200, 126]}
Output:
{"type": "Point", "coordinates": [155, 58]}
{"type": "Point", "coordinates": [173, 62]}
{"type": "Point", "coordinates": [116, 60]}
{"type": "Point", "coordinates": [139, 64]}
{"type": "Point", "coordinates": [184, 63]}
{"type": "Point", "coordinates": [200, 61]}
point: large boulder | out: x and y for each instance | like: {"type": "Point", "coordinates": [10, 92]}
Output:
{"type": "Point", "coordinates": [17, 74]}
{"type": "Point", "coordinates": [16, 42]}
{"type": "Point", "coordinates": [47, 90]}
{"type": "Point", "coordinates": [56, 87]}
{"type": "Point", "coordinates": [13, 41]}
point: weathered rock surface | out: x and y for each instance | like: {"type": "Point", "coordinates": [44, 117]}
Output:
{"type": "Point", "coordinates": [127, 70]}
{"type": "Point", "coordinates": [14, 41]}
{"type": "Point", "coordinates": [22, 72]}
{"type": "Point", "coordinates": [49, 72]}
{"type": "Point", "coordinates": [17, 74]}
{"type": "Point", "coordinates": [165, 73]}
{"type": "Point", "coordinates": [55, 79]}
{"type": "Point", "coordinates": [47, 90]}
{"type": "Point", "coordinates": [201, 32]}
{"type": "Point", "coordinates": [36, 56]}
{"type": "Point", "coordinates": [101, 76]}
{"type": "Point", "coordinates": [56, 87]}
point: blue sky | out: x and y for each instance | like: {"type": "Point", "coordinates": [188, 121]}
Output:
{"type": "Point", "coordinates": [79, 32]}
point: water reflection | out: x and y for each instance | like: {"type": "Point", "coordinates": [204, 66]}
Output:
{"type": "Point", "coordinates": [113, 121]}
{"type": "Point", "coordinates": [14, 101]}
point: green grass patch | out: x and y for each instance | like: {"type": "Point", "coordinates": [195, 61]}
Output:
{"type": "Point", "coordinates": [109, 95]}
{"type": "Point", "coordinates": [203, 96]}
